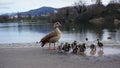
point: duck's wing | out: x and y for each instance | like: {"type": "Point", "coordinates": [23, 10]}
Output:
{"type": "Point", "coordinates": [47, 37]}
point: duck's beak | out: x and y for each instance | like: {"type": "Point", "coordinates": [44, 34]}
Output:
{"type": "Point", "coordinates": [60, 25]}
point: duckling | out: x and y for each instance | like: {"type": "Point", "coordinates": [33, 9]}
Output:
{"type": "Point", "coordinates": [100, 44]}
{"type": "Point", "coordinates": [74, 44]}
{"type": "Point", "coordinates": [69, 46]}
{"type": "Point", "coordinates": [81, 48]}
{"type": "Point", "coordinates": [86, 41]}
{"type": "Point", "coordinates": [92, 47]}
{"type": "Point", "coordinates": [66, 47]}
{"type": "Point", "coordinates": [75, 50]}
{"type": "Point", "coordinates": [83, 45]}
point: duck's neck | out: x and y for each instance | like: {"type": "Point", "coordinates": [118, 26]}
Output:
{"type": "Point", "coordinates": [57, 30]}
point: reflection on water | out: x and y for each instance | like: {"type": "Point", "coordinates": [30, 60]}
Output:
{"type": "Point", "coordinates": [20, 33]}
{"type": "Point", "coordinates": [92, 51]}
{"type": "Point", "coordinates": [100, 52]}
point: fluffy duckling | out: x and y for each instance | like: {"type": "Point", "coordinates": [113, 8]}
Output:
{"type": "Point", "coordinates": [100, 44]}
{"type": "Point", "coordinates": [83, 45]}
{"type": "Point", "coordinates": [75, 50]}
{"type": "Point", "coordinates": [74, 44]}
{"type": "Point", "coordinates": [92, 47]}
{"type": "Point", "coordinates": [81, 48]}
{"type": "Point", "coordinates": [86, 41]}
{"type": "Point", "coordinates": [66, 47]}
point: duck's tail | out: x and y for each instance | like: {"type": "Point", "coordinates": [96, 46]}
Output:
{"type": "Point", "coordinates": [42, 44]}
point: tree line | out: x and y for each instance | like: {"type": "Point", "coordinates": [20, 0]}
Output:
{"type": "Point", "coordinates": [21, 17]}
{"type": "Point", "coordinates": [79, 13]}
{"type": "Point", "coordinates": [82, 14]}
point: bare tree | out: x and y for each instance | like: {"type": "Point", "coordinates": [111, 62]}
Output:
{"type": "Point", "coordinates": [97, 1]}
{"type": "Point", "coordinates": [80, 6]}
{"type": "Point", "coordinates": [80, 2]}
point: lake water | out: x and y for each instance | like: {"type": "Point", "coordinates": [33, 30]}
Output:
{"type": "Point", "coordinates": [27, 33]}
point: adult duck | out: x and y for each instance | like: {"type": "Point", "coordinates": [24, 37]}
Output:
{"type": "Point", "coordinates": [52, 37]}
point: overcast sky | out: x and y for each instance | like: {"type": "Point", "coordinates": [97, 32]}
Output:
{"type": "Point", "coordinates": [9, 6]}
